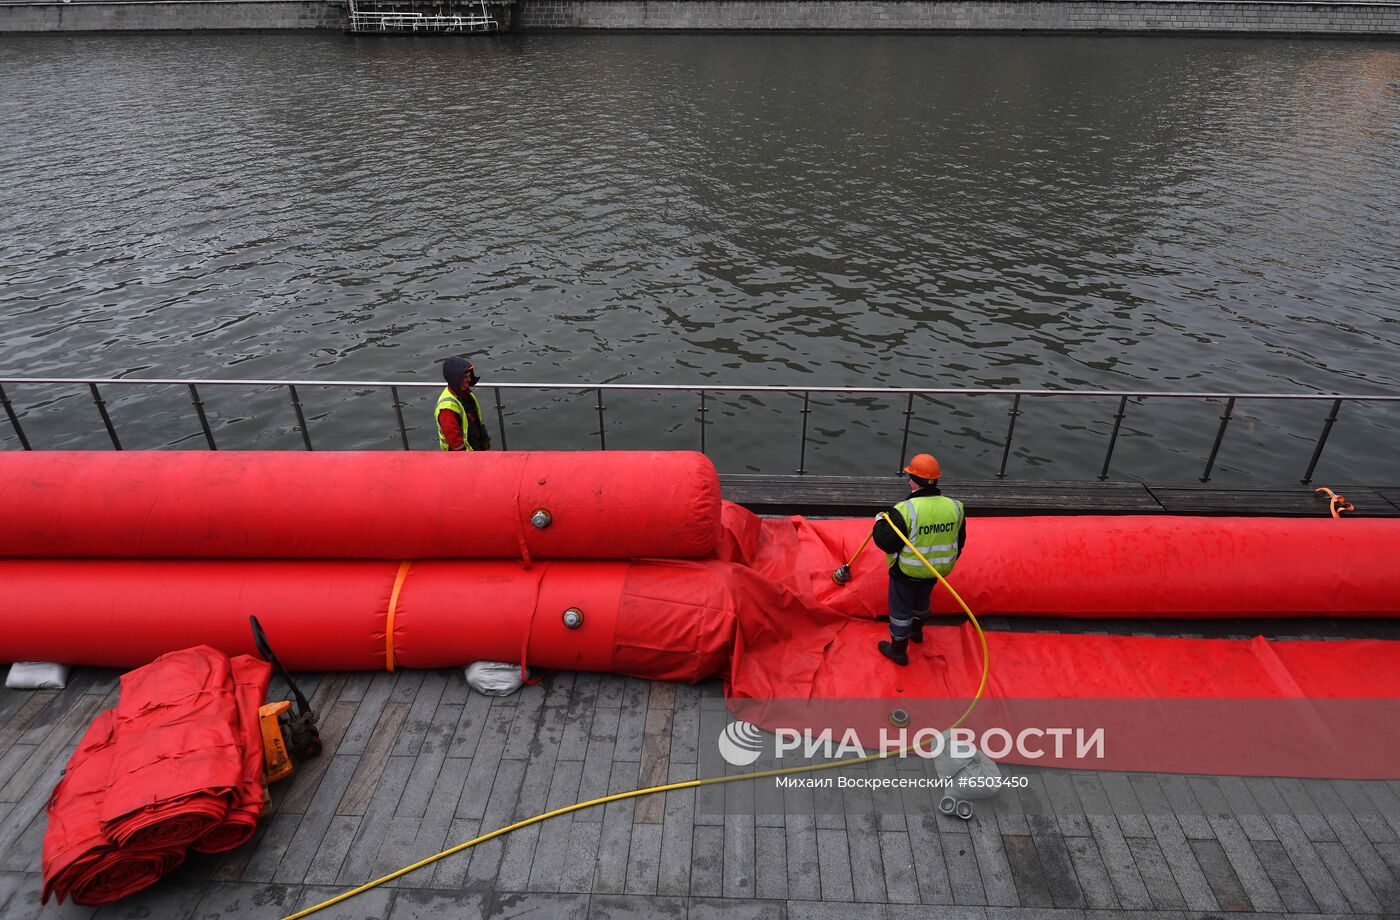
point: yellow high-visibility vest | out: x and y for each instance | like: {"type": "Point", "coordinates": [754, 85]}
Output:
{"type": "Point", "coordinates": [933, 522]}
{"type": "Point", "coordinates": [449, 400]}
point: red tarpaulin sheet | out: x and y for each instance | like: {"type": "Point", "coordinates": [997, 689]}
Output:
{"type": "Point", "coordinates": [175, 763]}
{"type": "Point", "coordinates": [838, 659]}
{"type": "Point", "coordinates": [1237, 707]}
{"type": "Point", "coordinates": [357, 504]}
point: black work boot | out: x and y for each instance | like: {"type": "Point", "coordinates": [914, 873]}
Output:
{"type": "Point", "coordinates": [916, 632]}
{"type": "Point", "coordinates": [894, 650]}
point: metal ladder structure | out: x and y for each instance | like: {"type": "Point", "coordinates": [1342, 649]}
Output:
{"type": "Point", "coordinates": [362, 20]}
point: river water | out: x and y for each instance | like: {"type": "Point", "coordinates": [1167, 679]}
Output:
{"type": "Point", "coordinates": [1158, 214]}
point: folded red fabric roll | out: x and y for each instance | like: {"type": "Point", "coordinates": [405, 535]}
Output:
{"type": "Point", "coordinates": [80, 861]}
{"type": "Point", "coordinates": [74, 839]}
{"type": "Point", "coordinates": [178, 754]}
{"type": "Point", "coordinates": [115, 873]}
{"type": "Point", "coordinates": [176, 823]}
{"type": "Point", "coordinates": [177, 763]}
{"type": "Point", "coordinates": [251, 677]}
{"type": "Point", "coordinates": [237, 829]}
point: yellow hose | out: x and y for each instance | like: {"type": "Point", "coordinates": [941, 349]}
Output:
{"type": "Point", "coordinates": [692, 783]}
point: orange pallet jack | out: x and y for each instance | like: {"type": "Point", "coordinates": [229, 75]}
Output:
{"type": "Point", "coordinates": [288, 739]}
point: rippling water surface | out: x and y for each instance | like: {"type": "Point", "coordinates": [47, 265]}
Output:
{"type": "Point", "coordinates": [1155, 214]}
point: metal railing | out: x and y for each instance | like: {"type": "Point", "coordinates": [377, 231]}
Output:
{"type": "Point", "coordinates": [705, 393]}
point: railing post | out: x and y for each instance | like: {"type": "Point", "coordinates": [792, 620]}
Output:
{"type": "Point", "coordinates": [703, 410]}
{"type": "Point", "coordinates": [1219, 437]}
{"type": "Point", "coordinates": [1322, 440]}
{"type": "Point", "coordinates": [806, 411]}
{"type": "Point", "coordinates": [904, 445]}
{"type": "Point", "coordinates": [106, 419]}
{"type": "Point", "coordinates": [301, 419]}
{"type": "Point", "coordinates": [1010, 430]}
{"type": "Point", "coordinates": [14, 419]}
{"type": "Point", "coordinates": [203, 419]}
{"type": "Point", "coordinates": [398, 411]}
{"type": "Point", "coordinates": [501, 418]}
{"type": "Point", "coordinates": [1113, 438]}
{"type": "Point", "coordinates": [602, 432]}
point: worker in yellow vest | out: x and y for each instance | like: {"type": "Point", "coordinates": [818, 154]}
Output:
{"type": "Point", "coordinates": [937, 526]}
{"type": "Point", "coordinates": [459, 422]}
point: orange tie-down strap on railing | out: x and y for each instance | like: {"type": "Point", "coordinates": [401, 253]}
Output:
{"type": "Point", "coordinates": [1337, 503]}
{"type": "Point", "coordinates": [389, 618]}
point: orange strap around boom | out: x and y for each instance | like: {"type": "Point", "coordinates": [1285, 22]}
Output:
{"type": "Point", "coordinates": [389, 618]}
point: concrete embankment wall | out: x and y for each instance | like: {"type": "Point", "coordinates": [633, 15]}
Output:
{"type": "Point", "coordinates": [168, 15]}
{"type": "Point", "coordinates": [968, 15]}
{"type": "Point", "coordinates": [1201, 16]}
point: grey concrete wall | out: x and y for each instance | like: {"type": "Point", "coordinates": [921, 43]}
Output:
{"type": "Point", "coordinates": [930, 15]}
{"type": "Point", "coordinates": [991, 15]}
{"type": "Point", "coordinates": [168, 15]}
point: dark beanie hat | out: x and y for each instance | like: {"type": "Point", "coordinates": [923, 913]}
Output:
{"type": "Point", "coordinates": [453, 369]}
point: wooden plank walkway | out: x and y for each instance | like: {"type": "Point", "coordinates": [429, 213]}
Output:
{"type": "Point", "coordinates": [415, 761]}
{"type": "Point", "coordinates": [831, 496]}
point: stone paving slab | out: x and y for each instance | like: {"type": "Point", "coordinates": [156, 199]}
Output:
{"type": "Point", "coordinates": [415, 762]}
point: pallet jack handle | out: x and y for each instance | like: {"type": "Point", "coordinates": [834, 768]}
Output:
{"type": "Point", "coordinates": [265, 650]}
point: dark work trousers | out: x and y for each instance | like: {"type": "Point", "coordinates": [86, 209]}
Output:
{"type": "Point", "coordinates": [909, 601]}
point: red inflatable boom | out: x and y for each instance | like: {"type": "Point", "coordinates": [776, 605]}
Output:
{"type": "Point", "coordinates": [358, 505]}
{"type": "Point", "coordinates": [1098, 567]}
{"type": "Point", "coordinates": [665, 619]}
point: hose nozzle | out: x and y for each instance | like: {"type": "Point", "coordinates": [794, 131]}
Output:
{"type": "Point", "coordinates": [843, 574]}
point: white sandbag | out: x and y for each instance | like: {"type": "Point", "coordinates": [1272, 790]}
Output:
{"type": "Point", "coordinates": [494, 678]}
{"type": "Point", "coordinates": [981, 774]}
{"type": "Point", "coordinates": [37, 675]}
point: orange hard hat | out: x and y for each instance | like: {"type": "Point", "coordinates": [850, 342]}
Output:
{"type": "Point", "coordinates": [925, 466]}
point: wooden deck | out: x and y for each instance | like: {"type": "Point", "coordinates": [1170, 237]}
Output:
{"type": "Point", "coordinates": [820, 496]}
{"type": "Point", "coordinates": [415, 762]}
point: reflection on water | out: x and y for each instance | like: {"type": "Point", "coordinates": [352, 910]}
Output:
{"type": "Point", "coordinates": [1068, 212]}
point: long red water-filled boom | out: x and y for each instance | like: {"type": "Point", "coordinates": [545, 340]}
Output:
{"type": "Point", "coordinates": [1095, 566]}
{"type": "Point", "coordinates": [358, 505]}
{"type": "Point", "coordinates": [667, 619]}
